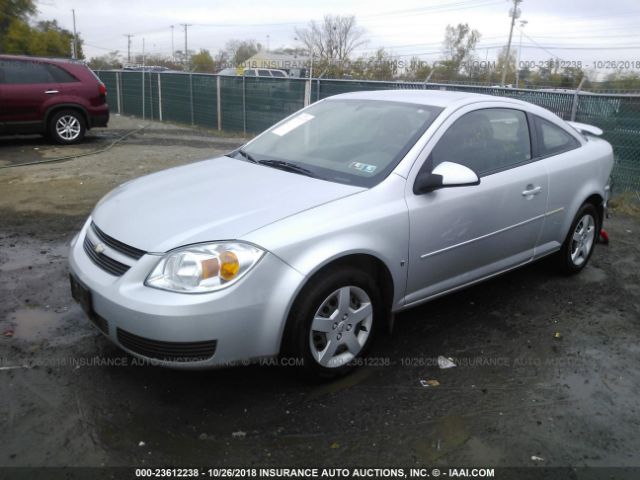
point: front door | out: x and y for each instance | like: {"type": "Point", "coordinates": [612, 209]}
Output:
{"type": "Point", "coordinates": [461, 234]}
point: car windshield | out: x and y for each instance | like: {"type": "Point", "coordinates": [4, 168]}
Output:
{"type": "Point", "coordinates": [349, 141]}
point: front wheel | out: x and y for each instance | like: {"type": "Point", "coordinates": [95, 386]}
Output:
{"type": "Point", "coordinates": [333, 322]}
{"type": "Point", "coordinates": [581, 239]}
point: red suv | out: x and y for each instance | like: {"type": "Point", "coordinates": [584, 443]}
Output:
{"type": "Point", "coordinates": [58, 98]}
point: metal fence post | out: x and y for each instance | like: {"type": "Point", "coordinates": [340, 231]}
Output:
{"type": "Point", "coordinates": [218, 103]}
{"type": "Point", "coordinates": [118, 80]}
{"type": "Point", "coordinates": [576, 99]}
{"type": "Point", "coordinates": [318, 90]}
{"type": "Point", "coordinates": [159, 96]}
{"type": "Point", "coordinates": [191, 95]}
{"type": "Point", "coordinates": [143, 111]}
{"type": "Point", "coordinates": [244, 107]}
{"type": "Point", "coordinates": [307, 94]}
{"type": "Point", "coordinates": [150, 94]}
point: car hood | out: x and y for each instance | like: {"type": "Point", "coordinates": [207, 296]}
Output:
{"type": "Point", "coordinates": [217, 199]}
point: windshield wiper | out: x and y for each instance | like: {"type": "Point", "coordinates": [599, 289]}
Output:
{"type": "Point", "coordinates": [289, 167]}
{"type": "Point", "coordinates": [246, 155]}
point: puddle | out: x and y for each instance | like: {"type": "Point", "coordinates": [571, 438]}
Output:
{"type": "Point", "coordinates": [34, 324]}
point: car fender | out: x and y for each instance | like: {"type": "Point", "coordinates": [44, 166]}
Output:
{"type": "Point", "coordinates": [61, 106]}
{"type": "Point", "coordinates": [374, 222]}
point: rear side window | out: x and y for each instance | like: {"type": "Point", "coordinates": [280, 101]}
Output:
{"type": "Point", "coordinates": [486, 140]}
{"type": "Point", "coordinates": [24, 72]}
{"type": "Point", "coordinates": [553, 139]}
{"type": "Point", "coordinates": [60, 75]}
{"type": "Point", "coordinates": [264, 73]}
{"type": "Point", "coordinates": [277, 73]}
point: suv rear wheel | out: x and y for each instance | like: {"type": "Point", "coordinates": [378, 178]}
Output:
{"type": "Point", "coordinates": [67, 127]}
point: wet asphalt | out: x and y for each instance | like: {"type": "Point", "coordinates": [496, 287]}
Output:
{"type": "Point", "coordinates": [547, 370]}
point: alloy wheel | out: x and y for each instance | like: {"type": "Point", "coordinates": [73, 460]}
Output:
{"type": "Point", "coordinates": [341, 327]}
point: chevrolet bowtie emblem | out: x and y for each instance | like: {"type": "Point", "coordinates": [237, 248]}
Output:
{"type": "Point", "coordinates": [99, 248]}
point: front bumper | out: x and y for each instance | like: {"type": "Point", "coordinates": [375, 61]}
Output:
{"type": "Point", "coordinates": [245, 321]}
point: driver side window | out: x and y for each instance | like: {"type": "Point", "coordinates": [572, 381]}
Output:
{"type": "Point", "coordinates": [486, 141]}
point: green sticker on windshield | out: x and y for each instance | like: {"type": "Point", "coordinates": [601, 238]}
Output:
{"type": "Point", "coordinates": [363, 167]}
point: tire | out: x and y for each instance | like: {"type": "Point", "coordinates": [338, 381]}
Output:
{"type": "Point", "coordinates": [67, 127]}
{"type": "Point", "coordinates": [340, 312]}
{"type": "Point", "coordinates": [581, 240]}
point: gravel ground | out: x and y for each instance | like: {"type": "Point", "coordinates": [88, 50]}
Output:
{"type": "Point", "coordinates": [517, 392]}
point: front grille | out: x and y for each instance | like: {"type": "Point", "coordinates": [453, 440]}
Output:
{"type": "Point", "coordinates": [117, 245]}
{"type": "Point", "coordinates": [100, 259]}
{"type": "Point", "coordinates": [167, 351]}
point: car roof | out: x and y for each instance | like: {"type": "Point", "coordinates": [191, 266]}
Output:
{"type": "Point", "coordinates": [436, 98]}
{"type": "Point", "coordinates": [59, 61]}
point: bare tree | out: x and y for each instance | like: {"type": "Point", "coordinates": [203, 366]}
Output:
{"type": "Point", "coordinates": [335, 38]}
{"type": "Point", "coordinates": [458, 47]}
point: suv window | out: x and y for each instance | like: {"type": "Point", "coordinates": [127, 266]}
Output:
{"type": "Point", "coordinates": [264, 73]}
{"type": "Point", "coordinates": [60, 75]}
{"type": "Point", "coordinates": [250, 73]}
{"type": "Point", "coordinates": [22, 72]}
{"type": "Point", "coordinates": [486, 140]}
{"type": "Point", "coordinates": [278, 73]}
{"type": "Point", "coordinates": [553, 139]}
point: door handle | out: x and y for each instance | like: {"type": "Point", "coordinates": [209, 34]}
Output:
{"type": "Point", "coordinates": [51, 92]}
{"type": "Point", "coordinates": [531, 190]}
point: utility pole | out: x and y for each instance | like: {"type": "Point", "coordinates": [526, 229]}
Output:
{"type": "Point", "coordinates": [129, 36]}
{"type": "Point", "coordinates": [515, 13]}
{"type": "Point", "coordinates": [522, 24]}
{"type": "Point", "coordinates": [186, 57]}
{"type": "Point", "coordinates": [173, 56]}
{"type": "Point", "coordinates": [74, 53]}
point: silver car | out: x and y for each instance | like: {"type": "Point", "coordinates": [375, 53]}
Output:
{"type": "Point", "coordinates": [304, 243]}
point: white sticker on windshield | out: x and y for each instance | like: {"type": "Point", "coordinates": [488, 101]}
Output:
{"type": "Point", "coordinates": [363, 167]}
{"type": "Point", "coordinates": [295, 122]}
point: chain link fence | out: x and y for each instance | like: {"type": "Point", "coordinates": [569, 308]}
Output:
{"type": "Point", "coordinates": [249, 105]}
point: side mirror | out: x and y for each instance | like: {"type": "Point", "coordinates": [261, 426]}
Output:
{"type": "Point", "coordinates": [446, 174]}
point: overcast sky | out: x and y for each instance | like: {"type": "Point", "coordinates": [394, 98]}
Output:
{"type": "Point", "coordinates": [571, 30]}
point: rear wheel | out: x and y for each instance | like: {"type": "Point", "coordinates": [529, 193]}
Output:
{"type": "Point", "coordinates": [333, 322]}
{"type": "Point", "coordinates": [581, 239]}
{"type": "Point", "coordinates": [67, 127]}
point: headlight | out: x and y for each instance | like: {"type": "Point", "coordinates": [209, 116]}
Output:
{"type": "Point", "coordinates": [203, 268]}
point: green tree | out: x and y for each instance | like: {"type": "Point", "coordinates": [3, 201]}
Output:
{"type": "Point", "coordinates": [203, 62]}
{"type": "Point", "coordinates": [13, 12]}
{"type": "Point", "coordinates": [45, 38]}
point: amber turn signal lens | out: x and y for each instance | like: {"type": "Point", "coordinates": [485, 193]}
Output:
{"type": "Point", "coordinates": [229, 265]}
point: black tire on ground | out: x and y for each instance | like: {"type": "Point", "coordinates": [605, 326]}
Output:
{"type": "Point", "coordinates": [580, 241]}
{"type": "Point", "coordinates": [298, 339]}
{"type": "Point", "coordinates": [66, 127]}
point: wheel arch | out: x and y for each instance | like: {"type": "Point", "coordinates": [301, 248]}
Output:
{"type": "Point", "coordinates": [66, 106]}
{"type": "Point", "coordinates": [368, 263]}
{"type": "Point", "coordinates": [589, 194]}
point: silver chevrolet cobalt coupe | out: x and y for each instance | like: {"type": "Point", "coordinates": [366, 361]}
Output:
{"type": "Point", "coordinates": [304, 242]}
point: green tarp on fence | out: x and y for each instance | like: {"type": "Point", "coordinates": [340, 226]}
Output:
{"type": "Point", "coordinates": [249, 105]}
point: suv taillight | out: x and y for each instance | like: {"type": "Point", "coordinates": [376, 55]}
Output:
{"type": "Point", "coordinates": [102, 90]}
